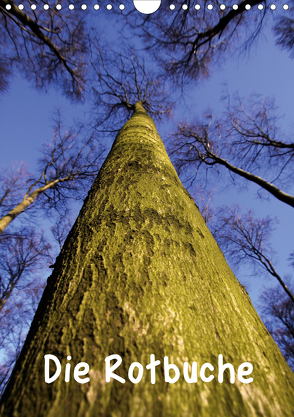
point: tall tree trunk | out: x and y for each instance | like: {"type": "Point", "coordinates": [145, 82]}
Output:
{"type": "Point", "coordinates": [141, 274]}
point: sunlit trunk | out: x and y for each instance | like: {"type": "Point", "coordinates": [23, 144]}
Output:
{"type": "Point", "coordinates": [141, 274]}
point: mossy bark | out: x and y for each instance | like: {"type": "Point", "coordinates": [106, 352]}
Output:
{"type": "Point", "coordinates": [141, 274]}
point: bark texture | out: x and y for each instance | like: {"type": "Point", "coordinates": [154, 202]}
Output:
{"type": "Point", "coordinates": [141, 274]}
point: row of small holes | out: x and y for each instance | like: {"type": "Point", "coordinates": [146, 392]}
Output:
{"type": "Point", "coordinates": [235, 6]}
{"type": "Point", "coordinates": [71, 7]}
{"type": "Point", "coordinates": [172, 7]}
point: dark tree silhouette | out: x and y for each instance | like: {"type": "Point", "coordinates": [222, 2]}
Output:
{"type": "Point", "coordinates": [278, 315]}
{"type": "Point", "coordinates": [46, 45]}
{"type": "Point", "coordinates": [67, 166]}
{"type": "Point", "coordinates": [23, 254]}
{"type": "Point", "coordinates": [246, 239]}
{"type": "Point", "coordinates": [284, 30]}
{"type": "Point", "coordinates": [121, 79]}
{"type": "Point", "coordinates": [244, 143]}
{"type": "Point", "coordinates": [187, 41]}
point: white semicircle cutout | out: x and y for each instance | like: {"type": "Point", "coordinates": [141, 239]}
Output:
{"type": "Point", "coordinates": [147, 6]}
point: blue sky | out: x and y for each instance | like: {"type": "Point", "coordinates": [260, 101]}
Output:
{"type": "Point", "coordinates": [25, 120]}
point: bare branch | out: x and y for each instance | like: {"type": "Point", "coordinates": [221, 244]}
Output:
{"type": "Point", "coordinates": [284, 31]}
{"type": "Point", "coordinates": [22, 252]}
{"type": "Point", "coordinates": [278, 315]}
{"type": "Point", "coordinates": [122, 81]}
{"type": "Point", "coordinates": [68, 167]}
{"type": "Point", "coordinates": [238, 138]}
{"type": "Point", "coordinates": [187, 42]}
{"type": "Point", "coordinates": [243, 237]}
{"type": "Point", "coordinates": [46, 45]}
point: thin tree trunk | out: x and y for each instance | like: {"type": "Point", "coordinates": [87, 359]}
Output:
{"type": "Point", "coordinates": [141, 274]}
{"type": "Point", "coordinates": [272, 189]}
{"type": "Point", "coordinates": [21, 207]}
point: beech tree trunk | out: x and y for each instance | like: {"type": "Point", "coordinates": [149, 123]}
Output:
{"type": "Point", "coordinates": [141, 274]}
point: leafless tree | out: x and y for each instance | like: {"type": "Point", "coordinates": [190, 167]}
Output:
{"type": "Point", "coordinates": [21, 251]}
{"type": "Point", "coordinates": [246, 143]}
{"type": "Point", "coordinates": [23, 254]}
{"type": "Point", "coordinates": [284, 30]}
{"type": "Point", "coordinates": [67, 168]}
{"type": "Point", "coordinates": [61, 229]}
{"type": "Point", "coordinates": [68, 165]}
{"type": "Point", "coordinates": [278, 315]}
{"type": "Point", "coordinates": [46, 45]}
{"type": "Point", "coordinates": [121, 80]}
{"type": "Point", "coordinates": [15, 320]}
{"type": "Point", "coordinates": [246, 239]}
{"type": "Point", "coordinates": [187, 40]}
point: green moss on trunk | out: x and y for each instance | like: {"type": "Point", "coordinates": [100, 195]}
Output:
{"type": "Point", "coordinates": [141, 274]}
